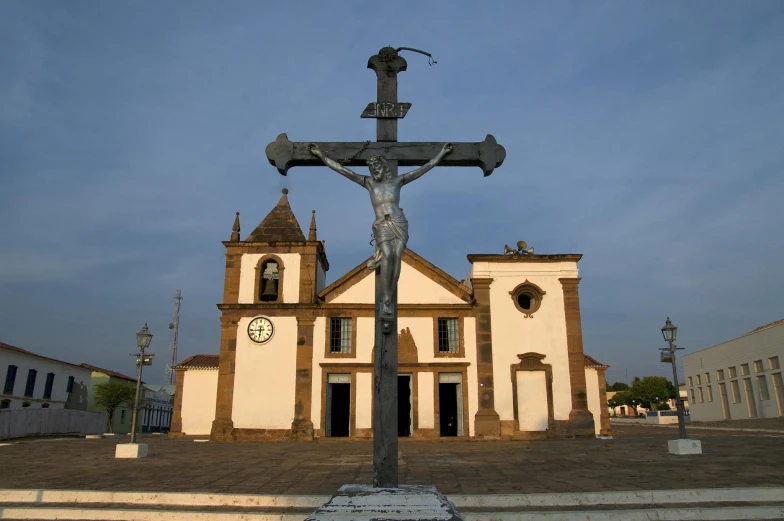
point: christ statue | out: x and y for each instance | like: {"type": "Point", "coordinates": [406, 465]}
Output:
{"type": "Point", "coordinates": [390, 229]}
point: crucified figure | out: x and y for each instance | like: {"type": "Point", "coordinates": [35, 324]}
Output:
{"type": "Point", "coordinates": [390, 229]}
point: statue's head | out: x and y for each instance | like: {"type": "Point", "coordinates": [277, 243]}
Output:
{"type": "Point", "coordinates": [379, 167]}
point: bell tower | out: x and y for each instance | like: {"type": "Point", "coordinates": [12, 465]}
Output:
{"type": "Point", "coordinates": [274, 268]}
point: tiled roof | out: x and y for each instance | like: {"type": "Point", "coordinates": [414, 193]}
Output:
{"type": "Point", "coordinates": [593, 362]}
{"type": "Point", "coordinates": [107, 372]}
{"type": "Point", "coordinates": [199, 362]}
{"type": "Point", "coordinates": [26, 352]}
{"type": "Point", "coordinates": [766, 326]}
{"type": "Point", "coordinates": [279, 225]}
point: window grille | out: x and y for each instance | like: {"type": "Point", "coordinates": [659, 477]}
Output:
{"type": "Point", "coordinates": [448, 335]}
{"type": "Point", "coordinates": [340, 335]}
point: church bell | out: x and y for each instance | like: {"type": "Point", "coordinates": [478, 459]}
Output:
{"type": "Point", "coordinates": [270, 291]}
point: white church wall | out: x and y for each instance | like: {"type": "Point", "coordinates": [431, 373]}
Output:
{"type": "Point", "coordinates": [319, 338]}
{"type": "Point", "coordinates": [532, 400]}
{"type": "Point", "coordinates": [592, 390]}
{"type": "Point", "coordinates": [290, 277]}
{"type": "Point", "coordinates": [426, 392]}
{"type": "Point", "coordinates": [199, 393]}
{"type": "Point", "coordinates": [364, 392]}
{"type": "Point", "coordinates": [264, 379]}
{"type": "Point", "coordinates": [469, 328]}
{"type": "Point", "coordinates": [513, 334]}
{"type": "Point", "coordinates": [413, 288]}
{"type": "Point", "coordinates": [365, 339]}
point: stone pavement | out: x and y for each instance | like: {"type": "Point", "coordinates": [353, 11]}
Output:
{"type": "Point", "coordinates": [636, 459]}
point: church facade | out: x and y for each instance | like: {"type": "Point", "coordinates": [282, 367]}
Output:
{"type": "Point", "coordinates": [498, 354]}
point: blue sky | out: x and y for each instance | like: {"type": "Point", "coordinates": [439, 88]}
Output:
{"type": "Point", "coordinates": [645, 135]}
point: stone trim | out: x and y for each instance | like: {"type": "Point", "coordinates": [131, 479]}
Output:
{"type": "Point", "coordinates": [414, 260]}
{"type": "Point", "coordinates": [489, 257]}
{"type": "Point", "coordinates": [580, 418]}
{"type": "Point", "coordinates": [605, 428]}
{"type": "Point", "coordinates": [302, 426]}
{"type": "Point", "coordinates": [487, 420]}
{"type": "Point", "coordinates": [223, 425]}
{"type": "Point", "coordinates": [279, 247]}
{"type": "Point", "coordinates": [532, 290]}
{"type": "Point", "coordinates": [533, 362]}
{"type": "Point", "coordinates": [274, 309]}
{"type": "Point", "coordinates": [257, 284]}
{"type": "Point", "coordinates": [352, 424]}
{"type": "Point", "coordinates": [231, 278]}
{"type": "Point", "coordinates": [328, 331]}
{"type": "Point", "coordinates": [461, 338]}
{"type": "Point", "coordinates": [260, 434]}
{"type": "Point", "coordinates": [179, 382]}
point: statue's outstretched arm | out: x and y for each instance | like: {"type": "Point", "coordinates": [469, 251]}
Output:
{"type": "Point", "coordinates": [337, 167]}
{"type": "Point", "coordinates": [419, 172]}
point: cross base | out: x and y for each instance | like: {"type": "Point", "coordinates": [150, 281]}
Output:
{"type": "Point", "coordinates": [404, 503]}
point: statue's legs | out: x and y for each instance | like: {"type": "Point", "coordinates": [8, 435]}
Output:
{"type": "Point", "coordinates": [387, 273]}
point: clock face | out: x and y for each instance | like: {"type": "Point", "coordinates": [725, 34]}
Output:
{"type": "Point", "coordinates": [260, 330]}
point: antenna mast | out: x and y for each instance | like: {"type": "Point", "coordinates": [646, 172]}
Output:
{"type": "Point", "coordinates": [174, 326]}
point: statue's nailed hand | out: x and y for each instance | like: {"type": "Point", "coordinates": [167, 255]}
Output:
{"type": "Point", "coordinates": [448, 147]}
{"type": "Point", "coordinates": [314, 149]}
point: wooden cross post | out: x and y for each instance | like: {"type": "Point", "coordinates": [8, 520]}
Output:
{"type": "Point", "coordinates": [487, 155]}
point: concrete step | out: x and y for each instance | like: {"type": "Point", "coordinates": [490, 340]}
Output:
{"type": "Point", "coordinates": [729, 504]}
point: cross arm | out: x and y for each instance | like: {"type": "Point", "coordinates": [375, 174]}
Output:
{"type": "Point", "coordinates": [487, 155]}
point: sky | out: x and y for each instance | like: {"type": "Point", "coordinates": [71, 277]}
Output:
{"type": "Point", "coordinates": [646, 136]}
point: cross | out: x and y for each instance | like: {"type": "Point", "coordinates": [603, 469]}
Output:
{"type": "Point", "coordinates": [487, 155]}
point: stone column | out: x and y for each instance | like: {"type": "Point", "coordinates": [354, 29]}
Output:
{"type": "Point", "coordinates": [486, 422]}
{"type": "Point", "coordinates": [223, 426]}
{"type": "Point", "coordinates": [302, 426]}
{"type": "Point", "coordinates": [605, 429]}
{"type": "Point", "coordinates": [176, 422]}
{"type": "Point", "coordinates": [580, 418]}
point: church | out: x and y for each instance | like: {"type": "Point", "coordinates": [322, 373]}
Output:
{"type": "Point", "coordinates": [497, 355]}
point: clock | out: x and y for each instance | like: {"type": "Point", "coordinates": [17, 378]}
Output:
{"type": "Point", "coordinates": [260, 330]}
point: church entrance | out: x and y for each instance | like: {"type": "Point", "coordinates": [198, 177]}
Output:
{"type": "Point", "coordinates": [450, 404]}
{"type": "Point", "coordinates": [338, 405]}
{"type": "Point", "coordinates": [404, 408]}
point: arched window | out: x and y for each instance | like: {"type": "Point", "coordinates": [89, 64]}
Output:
{"type": "Point", "coordinates": [269, 279]}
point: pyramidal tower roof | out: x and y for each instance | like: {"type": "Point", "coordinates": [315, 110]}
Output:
{"type": "Point", "coordinates": [279, 225]}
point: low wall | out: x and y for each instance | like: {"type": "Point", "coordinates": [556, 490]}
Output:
{"type": "Point", "coordinates": [17, 423]}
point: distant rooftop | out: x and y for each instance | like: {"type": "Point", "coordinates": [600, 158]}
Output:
{"type": "Point", "coordinates": [9, 347]}
{"type": "Point", "coordinates": [766, 326]}
{"type": "Point", "coordinates": [200, 362]}
{"type": "Point", "coordinates": [107, 372]}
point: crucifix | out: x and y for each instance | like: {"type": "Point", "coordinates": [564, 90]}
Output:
{"type": "Point", "coordinates": [390, 228]}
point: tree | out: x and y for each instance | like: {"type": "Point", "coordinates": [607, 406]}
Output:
{"type": "Point", "coordinates": [618, 386]}
{"type": "Point", "coordinates": [653, 392]}
{"type": "Point", "coordinates": [111, 395]}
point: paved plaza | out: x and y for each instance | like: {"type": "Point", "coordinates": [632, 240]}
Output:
{"type": "Point", "coordinates": [635, 459]}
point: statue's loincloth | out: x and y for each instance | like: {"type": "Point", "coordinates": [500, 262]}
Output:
{"type": "Point", "coordinates": [385, 230]}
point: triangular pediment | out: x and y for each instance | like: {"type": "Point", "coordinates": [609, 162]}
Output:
{"type": "Point", "coordinates": [421, 282]}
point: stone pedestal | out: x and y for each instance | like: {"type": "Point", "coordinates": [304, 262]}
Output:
{"type": "Point", "coordinates": [582, 424]}
{"type": "Point", "coordinates": [131, 450]}
{"type": "Point", "coordinates": [302, 430]}
{"type": "Point", "coordinates": [487, 423]}
{"type": "Point", "coordinates": [685, 446]}
{"type": "Point", "coordinates": [405, 503]}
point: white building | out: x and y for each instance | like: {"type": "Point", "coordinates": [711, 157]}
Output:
{"type": "Point", "coordinates": [39, 382]}
{"type": "Point", "coordinates": [499, 354]}
{"type": "Point", "coordinates": [738, 379]}
{"type": "Point", "coordinates": [158, 407]}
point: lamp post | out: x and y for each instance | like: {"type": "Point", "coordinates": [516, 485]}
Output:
{"type": "Point", "coordinates": [669, 333]}
{"type": "Point", "coordinates": [143, 338]}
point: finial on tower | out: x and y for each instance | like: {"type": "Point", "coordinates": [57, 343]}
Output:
{"type": "Point", "coordinates": [312, 234]}
{"type": "Point", "coordinates": [235, 230]}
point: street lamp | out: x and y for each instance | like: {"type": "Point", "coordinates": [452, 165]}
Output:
{"type": "Point", "coordinates": [143, 338]}
{"type": "Point", "coordinates": [669, 332]}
